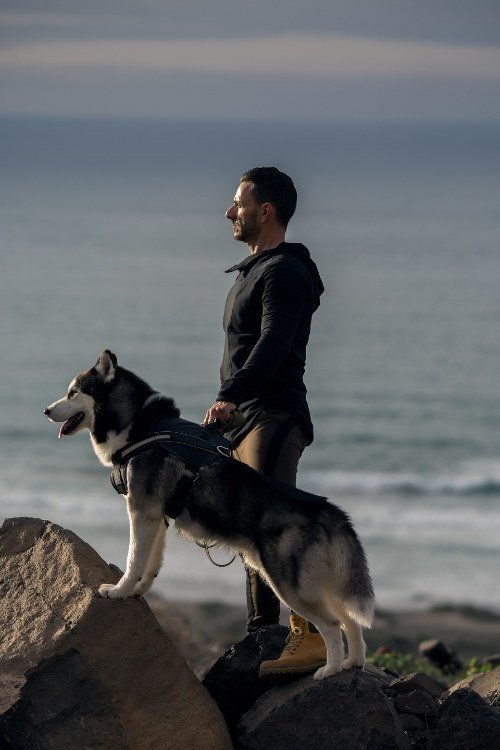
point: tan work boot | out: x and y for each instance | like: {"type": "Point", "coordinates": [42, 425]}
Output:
{"type": "Point", "coordinates": [304, 652]}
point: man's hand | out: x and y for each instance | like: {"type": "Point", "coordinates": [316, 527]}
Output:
{"type": "Point", "coordinates": [219, 412]}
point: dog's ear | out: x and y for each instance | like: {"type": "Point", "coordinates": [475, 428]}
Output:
{"type": "Point", "coordinates": [106, 365]}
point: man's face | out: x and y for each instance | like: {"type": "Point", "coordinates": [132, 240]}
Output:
{"type": "Point", "coordinates": [243, 212]}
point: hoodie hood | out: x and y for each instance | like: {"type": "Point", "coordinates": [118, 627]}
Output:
{"type": "Point", "coordinates": [301, 251]}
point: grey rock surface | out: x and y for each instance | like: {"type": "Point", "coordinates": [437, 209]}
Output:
{"type": "Point", "coordinates": [51, 620]}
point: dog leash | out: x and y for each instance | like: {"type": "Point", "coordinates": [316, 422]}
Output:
{"type": "Point", "coordinates": [207, 547]}
{"type": "Point", "coordinates": [235, 421]}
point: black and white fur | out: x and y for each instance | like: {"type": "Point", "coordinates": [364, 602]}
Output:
{"type": "Point", "coordinates": [308, 553]}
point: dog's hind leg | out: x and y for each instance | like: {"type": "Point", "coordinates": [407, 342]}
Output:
{"type": "Point", "coordinates": [328, 625]}
{"type": "Point", "coordinates": [356, 647]}
{"type": "Point", "coordinates": [143, 534]}
{"type": "Point", "coordinates": [154, 563]}
{"type": "Point", "coordinates": [329, 628]}
{"type": "Point", "coordinates": [332, 636]}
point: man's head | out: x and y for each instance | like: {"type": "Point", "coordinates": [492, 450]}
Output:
{"type": "Point", "coordinates": [275, 187]}
{"type": "Point", "coordinates": [264, 204]}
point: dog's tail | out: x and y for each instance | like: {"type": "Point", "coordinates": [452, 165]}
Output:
{"type": "Point", "coordinates": [360, 610]}
{"type": "Point", "coordinates": [355, 585]}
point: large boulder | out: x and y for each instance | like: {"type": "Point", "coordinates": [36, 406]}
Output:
{"type": "Point", "coordinates": [81, 671]}
{"type": "Point", "coordinates": [348, 710]}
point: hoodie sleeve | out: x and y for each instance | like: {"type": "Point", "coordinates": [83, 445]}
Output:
{"type": "Point", "coordinates": [285, 292]}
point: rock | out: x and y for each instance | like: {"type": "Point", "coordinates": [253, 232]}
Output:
{"type": "Point", "coordinates": [487, 685]}
{"type": "Point", "coordinates": [234, 680]}
{"type": "Point", "coordinates": [348, 710]}
{"type": "Point", "coordinates": [81, 671]}
{"type": "Point", "coordinates": [415, 681]}
{"type": "Point", "coordinates": [418, 703]}
{"type": "Point", "coordinates": [235, 684]}
{"type": "Point", "coordinates": [441, 656]}
{"type": "Point", "coordinates": [411, 723]}
{"type": "Point", "coordinates": [466, 722]}
{"type": "Point", "coordinates": [62, 700]}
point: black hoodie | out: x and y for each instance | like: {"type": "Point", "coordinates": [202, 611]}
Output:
{"type": "Point", "coordinates": [267, 320]}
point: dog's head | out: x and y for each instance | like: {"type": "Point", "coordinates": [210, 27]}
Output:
{"type": "Point", "coordinates": [86, 395]}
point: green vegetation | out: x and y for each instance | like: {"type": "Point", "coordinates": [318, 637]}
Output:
{"type": "Point", "coordinates": [405, 664]}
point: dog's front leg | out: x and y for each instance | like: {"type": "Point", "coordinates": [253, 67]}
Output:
{"type": "Point", "coordinates": [154, 563]}
{"type": "Point", "coordinates": [143, 534]}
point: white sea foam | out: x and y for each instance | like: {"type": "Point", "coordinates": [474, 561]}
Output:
{"type": "Point", "coordinates": [478, 477]}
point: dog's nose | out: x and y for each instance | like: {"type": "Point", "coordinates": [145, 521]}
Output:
{"type": "Point", "coordinates": [46, 411]}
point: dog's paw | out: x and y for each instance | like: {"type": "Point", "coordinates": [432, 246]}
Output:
{"type": "Point", "coordinates": [351, 661]}
{"type": "Point", "coordinates": [327, 671]}
{"type": "Point", "coordinates": [109, 591]}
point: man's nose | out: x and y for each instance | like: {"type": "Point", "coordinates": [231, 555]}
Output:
{"type": "Point", "coordinates": [231, 212]}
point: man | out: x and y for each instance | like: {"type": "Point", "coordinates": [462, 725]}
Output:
{"type": "Point", "coordinates": [267, 321]}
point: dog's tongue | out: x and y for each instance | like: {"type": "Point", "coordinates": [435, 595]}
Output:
{"type": "Point", "coordinates": [62, 429]}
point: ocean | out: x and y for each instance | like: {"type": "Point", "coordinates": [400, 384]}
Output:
{"type": "Point", "coordinates": [114, 236]}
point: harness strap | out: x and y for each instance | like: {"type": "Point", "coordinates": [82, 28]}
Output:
{"type": "Point", "coordinates": [161, 440]}
{"type": "Point", "coordinates": [172, 436]}
{"type": "Point", "coordinates": [176, 503]}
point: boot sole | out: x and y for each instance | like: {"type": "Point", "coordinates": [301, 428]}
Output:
{"type": "Point", "coordinates": [285, 672]}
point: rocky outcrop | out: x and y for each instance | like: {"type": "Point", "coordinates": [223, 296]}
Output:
{"type": "Point", "coordinates": [77, 671]}
{"type": "Point", "coordinates": [357, 709]}
{"type": "Point", "coordinates": [349, 710]}
{"type": "Point", "coordinates": [81, 671]}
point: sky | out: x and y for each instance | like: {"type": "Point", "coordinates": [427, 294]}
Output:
{"type": "Point", "coordinates": [339, 60]}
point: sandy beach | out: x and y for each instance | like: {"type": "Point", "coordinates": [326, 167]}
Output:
{"type": "Point", "coordinates": [202, 632]}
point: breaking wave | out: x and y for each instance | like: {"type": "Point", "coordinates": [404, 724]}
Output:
{"type": "Point", "coordinates": [483, 480]}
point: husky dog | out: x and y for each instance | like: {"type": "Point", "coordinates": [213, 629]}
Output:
{"type": "Point", "coordinates": [307, 551]}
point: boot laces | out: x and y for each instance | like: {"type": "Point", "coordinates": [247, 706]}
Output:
{"type": "Point", "coordinates": [293, 640]}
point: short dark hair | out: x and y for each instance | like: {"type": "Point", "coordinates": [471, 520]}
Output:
{"type": "Point", "coordinates": [273, 186]}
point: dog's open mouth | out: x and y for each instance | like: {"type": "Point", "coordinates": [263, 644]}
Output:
{"type": "Point", "coordinates": [71, 424]}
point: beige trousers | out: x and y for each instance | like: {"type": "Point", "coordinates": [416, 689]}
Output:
{"type": "Point", "coordinates": [273, 447]}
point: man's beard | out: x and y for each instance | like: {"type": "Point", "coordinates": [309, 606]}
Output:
{"type": "Point", "coordinates": [244, 232]}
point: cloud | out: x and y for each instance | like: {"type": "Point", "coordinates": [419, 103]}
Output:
{"type": "Point", "coordinates": [291, 55]}
{"type": "Point", "coordinates": [20, 20]}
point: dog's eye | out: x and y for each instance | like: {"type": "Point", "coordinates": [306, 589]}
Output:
{"type": "Point", "coordinates": [71, 393]}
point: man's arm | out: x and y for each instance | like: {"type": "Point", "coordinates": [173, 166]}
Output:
{"type": "Point", "coordinates": [284, 296]}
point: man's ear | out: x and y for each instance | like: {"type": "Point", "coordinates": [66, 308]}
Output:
{"type": "Point", "coordinates": [267, 211]}
{"type": "Point", "coordinates": [106, 365]}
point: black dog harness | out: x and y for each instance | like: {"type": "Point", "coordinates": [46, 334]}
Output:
{"type": "Point", "coordinates": [194, 445]}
